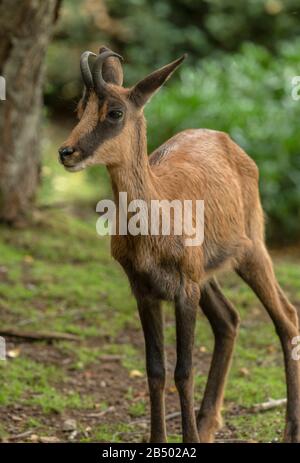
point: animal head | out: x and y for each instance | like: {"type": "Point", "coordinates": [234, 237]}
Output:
{"type": "Point", "coordinates": [110, 116]}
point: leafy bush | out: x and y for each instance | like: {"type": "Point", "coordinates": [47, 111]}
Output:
{"type": "Point", "coordinates": [150, 33]}
{"type": "Point", "coordinates": [248, 95]}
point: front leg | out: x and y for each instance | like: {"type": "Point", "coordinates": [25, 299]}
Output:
{"type": "Point", "coordinates": [186, 305]}
{"type": "Point", "coordinates": [152, 322]}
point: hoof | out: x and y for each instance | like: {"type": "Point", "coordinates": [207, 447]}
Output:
{"type": "Point", "coordinates": [207, 428]}
{"type": "Point", "coordinates": [292, 432]}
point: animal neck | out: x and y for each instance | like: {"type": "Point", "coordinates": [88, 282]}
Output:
{"type": "Point", "coordinates": [136, 177]}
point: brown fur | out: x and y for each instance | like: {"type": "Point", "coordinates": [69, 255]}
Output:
{"type": "Point", "coordinates": [194, 164]}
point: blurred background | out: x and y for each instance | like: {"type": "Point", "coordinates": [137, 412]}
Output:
{"type": "Point", "coordinates": [242, 57]}
{"type": "Point", "coordinates": [238, 78]}
{"type": "Point", "coordinates": [55, 273]}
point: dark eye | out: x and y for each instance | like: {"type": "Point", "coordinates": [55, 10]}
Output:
{"type": "Point", "coordinates": [115, 114]}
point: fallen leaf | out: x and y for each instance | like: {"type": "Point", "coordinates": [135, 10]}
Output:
{"type": "Point", "coordinates": [136, 374]}
{"type": "Point", "coordinates": [34, 438]}
{"type": "Point", "coordinates": [16, 418]}
{"type": "Point", "coordinates": [28, 259]}
{"type": "Point", "coordinates": [13, 353]}
{"type": "Point", "coordinates": [244, 372]}
{"type": "Point", "coordinates": [172, 389]}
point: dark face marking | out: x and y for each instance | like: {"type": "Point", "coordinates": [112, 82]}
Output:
{"type": "Point", "coordinates": [106, 96]}
{"type": "Point", "coordinates": [107, 127]}
{"type": "Point", "coordinates": [100, 119]}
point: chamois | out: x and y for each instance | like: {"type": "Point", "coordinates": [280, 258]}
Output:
{"type": "Point", "coordinates": [194, 164]}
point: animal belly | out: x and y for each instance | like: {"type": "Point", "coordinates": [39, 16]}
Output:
{"type": "Point", "coordinates": [160, 283]}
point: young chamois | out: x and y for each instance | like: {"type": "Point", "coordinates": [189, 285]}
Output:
{"type": "Point", "coordinates": [194, 164]}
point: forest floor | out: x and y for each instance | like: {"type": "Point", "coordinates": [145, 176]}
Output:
{"type": "Point", "coordinates": [57, 275]}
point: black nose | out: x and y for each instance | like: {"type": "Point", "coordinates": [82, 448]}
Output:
{"type": "Point", "coordinates": [65, 151]}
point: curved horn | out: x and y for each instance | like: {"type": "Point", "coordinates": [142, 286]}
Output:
{"type": "Point", "coordinates": [85, 69]}
{"type": "Point", "coordinates": [112, 71]}
{"type": "Point", "coordinates": [100, 85]}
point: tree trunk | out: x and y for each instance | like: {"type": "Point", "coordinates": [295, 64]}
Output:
{"type": "Point", "coordinates": [25, 30]}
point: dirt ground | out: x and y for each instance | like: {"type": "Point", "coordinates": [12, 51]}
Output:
{"type": "Point", "coordinates": [107, 381]}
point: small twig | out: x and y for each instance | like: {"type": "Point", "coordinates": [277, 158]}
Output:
{"type": "Point", "coordinates": [21, 436]}
{"type": "Point", "coordinates": [173, 415]}
{"type": "Point", "coordinates": [271, 404]}
{"type": "Point", "coordinates": [267, 405]}
{"type": "Point", "coordinates": [110, 358]}
{"type": "Point", "coordinates": [39, 335]}
{"type": "Point", "coordinates": [100, 414]}
{"type": "Point", "coordinates": [234, 441]}
{"type": "Point", "coordinates": [168, 417]}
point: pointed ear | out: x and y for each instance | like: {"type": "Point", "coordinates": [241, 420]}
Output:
{"type": "Point", "coordinates": [112, 69]}
{"type": "Point", "coordinates": [144, 89]}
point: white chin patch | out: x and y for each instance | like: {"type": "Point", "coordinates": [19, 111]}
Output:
{"type": "Point", "coordinates": [80, 166]}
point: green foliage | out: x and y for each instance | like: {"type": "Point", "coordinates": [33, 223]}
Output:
{"type": "Point", "coordinates": [247, 95]}
{"type": "Point", "coordinates": [138, 408]}
{"type": "Point", "coordinates": [150, 33]}
{"type": "Point", "coordinates": [242, 57]}
{"type": "Point", "coordinates": [158, 30]}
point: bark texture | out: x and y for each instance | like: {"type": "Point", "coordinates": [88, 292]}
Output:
{"type": "Point", "coordinates": [25, 29]}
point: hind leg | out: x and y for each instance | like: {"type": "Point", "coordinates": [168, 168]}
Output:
{"type": "Point", "coordinates": [257, 271]}
{"type": "Point", "coordinates": [289, 308]}
{"type": "Point", "coordinates": [224, 321]}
